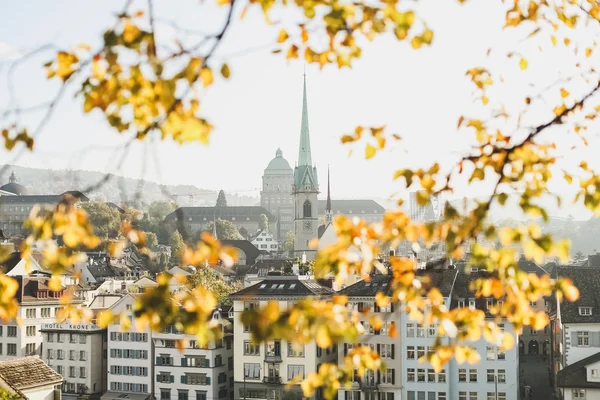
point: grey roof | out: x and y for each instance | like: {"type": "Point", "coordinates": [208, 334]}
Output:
{"type": "Point", "coordinates": [252, 212]}
{"type": "Point", "coordinates": [99, 271]}
{"type": "Point", "coordinates": [587, 280]}
{"type": "Point", "coordinates": [574, 375]}
{"type": "Point", "coordinates": [443, 279]}
{"type": "Point", "coordinates": [15, 188]}
{"type": "Point", "coordinates": [347, 207]}
{"type": "Point", "coordinates": [531, 267]}
{"type": "Point", "coordinates": [42, 198]}
{"type": "Point", "coordinates": [278, 165]}
{"type": "Point", "coordinates": [284, 286]}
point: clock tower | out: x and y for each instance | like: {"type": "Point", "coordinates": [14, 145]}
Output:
{"type": "Point", "coordinates": [305, 190]}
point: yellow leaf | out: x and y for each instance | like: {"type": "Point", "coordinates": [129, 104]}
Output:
{"type": "Point", "coordinates": [381, 299]}
{"type": "Point", "coordinates": [559, 110]}
{"type": "Point", "coordinates": [523, 64]}
{"type": "Point", "coordinates": [55, 285]}
{"type": "Point", "coordinates": [105, 318]}
{"type": "Point", "coordinates": [567, 41]}
{"type": "Point", "coordinates": [207, 76]}
{"type": "Point", "coordinates": [553, 38]}
{"type": "Point", "coordinates": [485, 100]}
{"type": "Point", "coordinates": [225, 71]}
{"type": "Point", "coordinates": [323, 338]}
{"type": "Point", "coordinates": [282, 37]}
{"type": "Point", "coordinates": [588, 52]}
{"type": "Point", "coordinates": [393, 331]}
{"type": "Point", "coordinates": [370, 151]}
{"type": "Point", "coordinates": [564, 93]}
{"type": "Point", "coordinates": [292, 52]}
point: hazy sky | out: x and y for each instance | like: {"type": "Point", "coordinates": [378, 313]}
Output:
{"type": "Point", "coordinates": [418, 94]}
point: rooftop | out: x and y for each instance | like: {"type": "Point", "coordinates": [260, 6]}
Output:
{"type": "Point", "coordinates": [347, 207]}
{"type": "Point", "coordinates": [284, 286]}
{"type": "Point", "coordinates": [587, 280]}
{"type": "Point", "coordinates": [575, 375]}
{"type": "Point", "coordinates": [28, 372]}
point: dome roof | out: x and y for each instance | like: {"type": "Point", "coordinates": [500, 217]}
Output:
{"type": "Point", "coordinates": [14, 187]}
{"type": "Point", "coordinates": [278, 165]}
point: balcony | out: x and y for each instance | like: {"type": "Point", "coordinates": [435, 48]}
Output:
{"type": "Point", "coordinates": [272, 379]}
{"type": "Point", "coordinates": [273, 358]}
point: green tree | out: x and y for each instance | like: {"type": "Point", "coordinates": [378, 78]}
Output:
{"type": "Point", "coordinates": [151, 240]}
{"type": "Point", "coordinates": [226, 230]}
{"type": "Point", "coordinates": [158, 210]}
{"type": "Point", "coordinates": [207, 277]}
{"type": "Point", "coordinates": [244, 233]}
{"type": "Point", "coordinates": [221, 199]}
{"type": "Point", "coordinates": [176, 243]}
{"type": "Point", "coordinates": [263, 222]}
{"type": "Point", "coordinates": [579, 255]}
{"type": "Point", "coordinates": [106, 220]}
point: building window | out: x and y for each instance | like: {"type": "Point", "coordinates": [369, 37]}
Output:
{"type": "Point", "coordinates": [472, 375]}
{"type": "Point", "coordinates": [442, 396]}
{"type": "Point", "coordinates": [182, 395]}
{"type": "Point", "coordinates": [82, 339]}
{"type": "Point", "coordinates": [252, 370]}
{"type": "Point", "coordinates": [30, 331]}
{"type": "Point", "coordinates": [462, 376]}
{"type": "Point", "coordinates": [420, 351]}
{"type": "Point", "coordinates": [490, 354]}
{"type": "Point", "coordinates": [30, 349]}
{"type": "Point", "coordinates": [410, 352]}
{"type": "Point", "coordinates": [30, 313]}
{"type": "Point", "coordinates": [82, 355]}
{"type": "Point", "coordinates": [442, 376]}
{"type": "Point", "coordinates": [295, 371]}
{"type": "Point", "coordinates": [472, 395]}
{"type": "Point", "coordinates": [501, 376]}
{"type": "Point", "coordinates": [200, 395]}
{"type": "Point", "coordinates": [11, 331]}
{"type": "Point", "coordinates": [421, 375]}
{"type": "Point", "coordinates": [491, 375]}
{"type": "Point", "coordinates": [583, 338]}
{"type": "Point", "coordinates": [72, 372]}
{"type": "Point", "coordinates": [307, 209]}
{"type": "Point", "coordinates": [163, 359]}
{"type": "Point", "coordinates": [431, 331]}
{"type": "Point", "coordinates": [165, 394]}
{"type": "Point", "coordinates": [420, 330]}
{"type": "Point", "coordinates": [585, 310]}
{"type": "Point", "coordinates": [501, 354]}
{"type": "Point", "coordinates": [462, 395]}
{"type": "Point", "coordinates": [164, 377]}
{"type": "Point", "coordinates": [410, 375]}
{"type": "Point", "coordinates": [430, 375]}
{"type": "Point", "coordinates": [50, 337]}
{"type": "Point", "coordinates": [594, 373]}
{"type": "Point", "coordinates": [72, 355]}
{"type": "Point", "coordinates": [295, 350]}
{"type": "Point", "coordinates": [410, 330]}
{"type": "Point", "coordinates": [196, 379]}
{"type": "Point", "coordinates": [61, 354]}
{"type": "Point", "coordinates": [578, 393]}
{"type": "Point", "coordinates": [82, 372]}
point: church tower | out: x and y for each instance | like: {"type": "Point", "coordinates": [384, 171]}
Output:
{"type": "Point", "coordinates": [305, 191]}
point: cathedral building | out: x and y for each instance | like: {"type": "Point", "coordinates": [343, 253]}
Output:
{"type": "Point", "coordinates": [276, 194]}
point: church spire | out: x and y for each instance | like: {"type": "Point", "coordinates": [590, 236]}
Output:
{"type": "Point", "coordinates": [304, 156]}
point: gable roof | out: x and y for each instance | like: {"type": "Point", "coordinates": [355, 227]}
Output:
{"type": "Point", "coordinates": [283, 286]}
{"type": "Point", "coordinates": [196, 213]}
{"type": "Point", "coordinates": [587, 280]}
{"type": "Point", "coordinates": [346, 207]}
{"type": "Point", "coordinates": [28, 372]}
{"type": "Point", "coordinates": [575, 376]}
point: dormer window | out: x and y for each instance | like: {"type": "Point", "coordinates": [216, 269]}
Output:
{"type": "Point", "coordinates": [585, 310]}
{"type": "Point", "coordinates": [472, 304]}
{"type": "Point", "coordinates": [461, 303]}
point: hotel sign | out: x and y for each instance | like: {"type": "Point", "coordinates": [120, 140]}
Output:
{"type": "Point", "coordinates": [71, 327]}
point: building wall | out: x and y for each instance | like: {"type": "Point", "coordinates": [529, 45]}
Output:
{"type": "Point", "coordinates": [590, 394]}
{"type": "Point", "coordinates": [41, 393]}
{"type": "Point", "coordinates": [265, 241]}
{"type": "Point", "coordinates": [573, 352]}
{"type": "Point", "coordinates": [309, 361]}
{"type": "Point", "coordinates": [89, 339]}
{"type": "Point", "coordinates": [12, 216]}
{"type": "Point", "coordinates": [217, 383]}
{"type": "Point", "coordinates": [535, 342]}
{"type": "Point", "coordinates": [23, 336]}
{"type": "Point", "coordinates": [128, 349]}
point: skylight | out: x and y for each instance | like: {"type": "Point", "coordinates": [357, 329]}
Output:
{"type": "Point", "coordinates": [264, 285]}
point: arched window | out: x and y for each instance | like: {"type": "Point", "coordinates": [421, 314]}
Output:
{"type": "Point", "coordinates": [307, 209]}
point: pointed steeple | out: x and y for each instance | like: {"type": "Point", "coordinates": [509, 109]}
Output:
{"type": "Point", "coordinates": [304, 156]}
{"type": "Point", "coordinates": [214, 232]}
{"type": "Point", "coordinates": [328, 211]}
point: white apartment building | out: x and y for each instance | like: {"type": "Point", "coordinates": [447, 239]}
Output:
{"type": "Point", "coordinates": [197, 373]}
{"type": "Point", "coordinates": [579, 346]}
{"type": "Point", "coordinates": [265, 241]}
{"type": "Point", "coordinates": [38, 306]}
{"type": "Point", "coordinates": [262, 371]}
{"type": "Point", "coordinates": [407, 378]}
{"type": "Point", "coordinates": [130, 356]}
{"type": "Point", "coordinates": [386, 385]}
{"type": "Point", "coordinates": [78, 353]}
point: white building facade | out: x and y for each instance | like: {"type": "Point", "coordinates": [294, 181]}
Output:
{"type": "Point", "coordinates": [77, 352]}
{"type": "Point", "coordinates": [262, 371]}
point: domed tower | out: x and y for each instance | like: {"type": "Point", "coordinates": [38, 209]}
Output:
{"type": "Point", "coordinates": [276, 194]}
{"type": "Point", "coordinates": [13, 187]}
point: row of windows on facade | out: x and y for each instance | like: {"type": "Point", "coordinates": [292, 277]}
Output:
{"type": "Point", "coordinates": [418, 330]}
{"type": "Point", "coordinates": [189, 379]}
{"type": "Point", "coordinates": [253, 349]}
{"type": "Point", "coordinates": [16, 208]}
{"type": "Point", "coordinates": [464, 375]}
{"type": "Point", "coordinates": [129, 387]}
{"type": "Point", "coordinates": [45, 312]}
{"type": "Point", "coordinates": [418, 395]}
{"type": "Point", "coordinates": [416, 352]}
{"type": "Point", "coordinates": [165, 394]}
{"type": "Point", "coordinates": [126, 370]}
{"type": "Point", "coordinates": [61, 337]}
{"type": "Point", "coordinates": [74, 355]}
{"type": "Point", "coordinates": [371, 378]}
{"type": "Point", "coordinates": [128, 337]}
{"type": "Point", "coordinates": [356, 395]}
{"type": "Point", "coordinates": [82, 388]}
{"type": "Point", "coordinates": [384, 350]}
{"type": "Point", "coordinates": [126, 353]}
{"type": "Point", "coordinates": [253, 371]}
{"type": "Point", "coordinates": [189, 361]}
{"type": "Point", "coordinates": [264, 246]}
{"type": "Point", "coordinates": [74, 372]}
{"type": "Point", "coordinates": [363, 306]}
